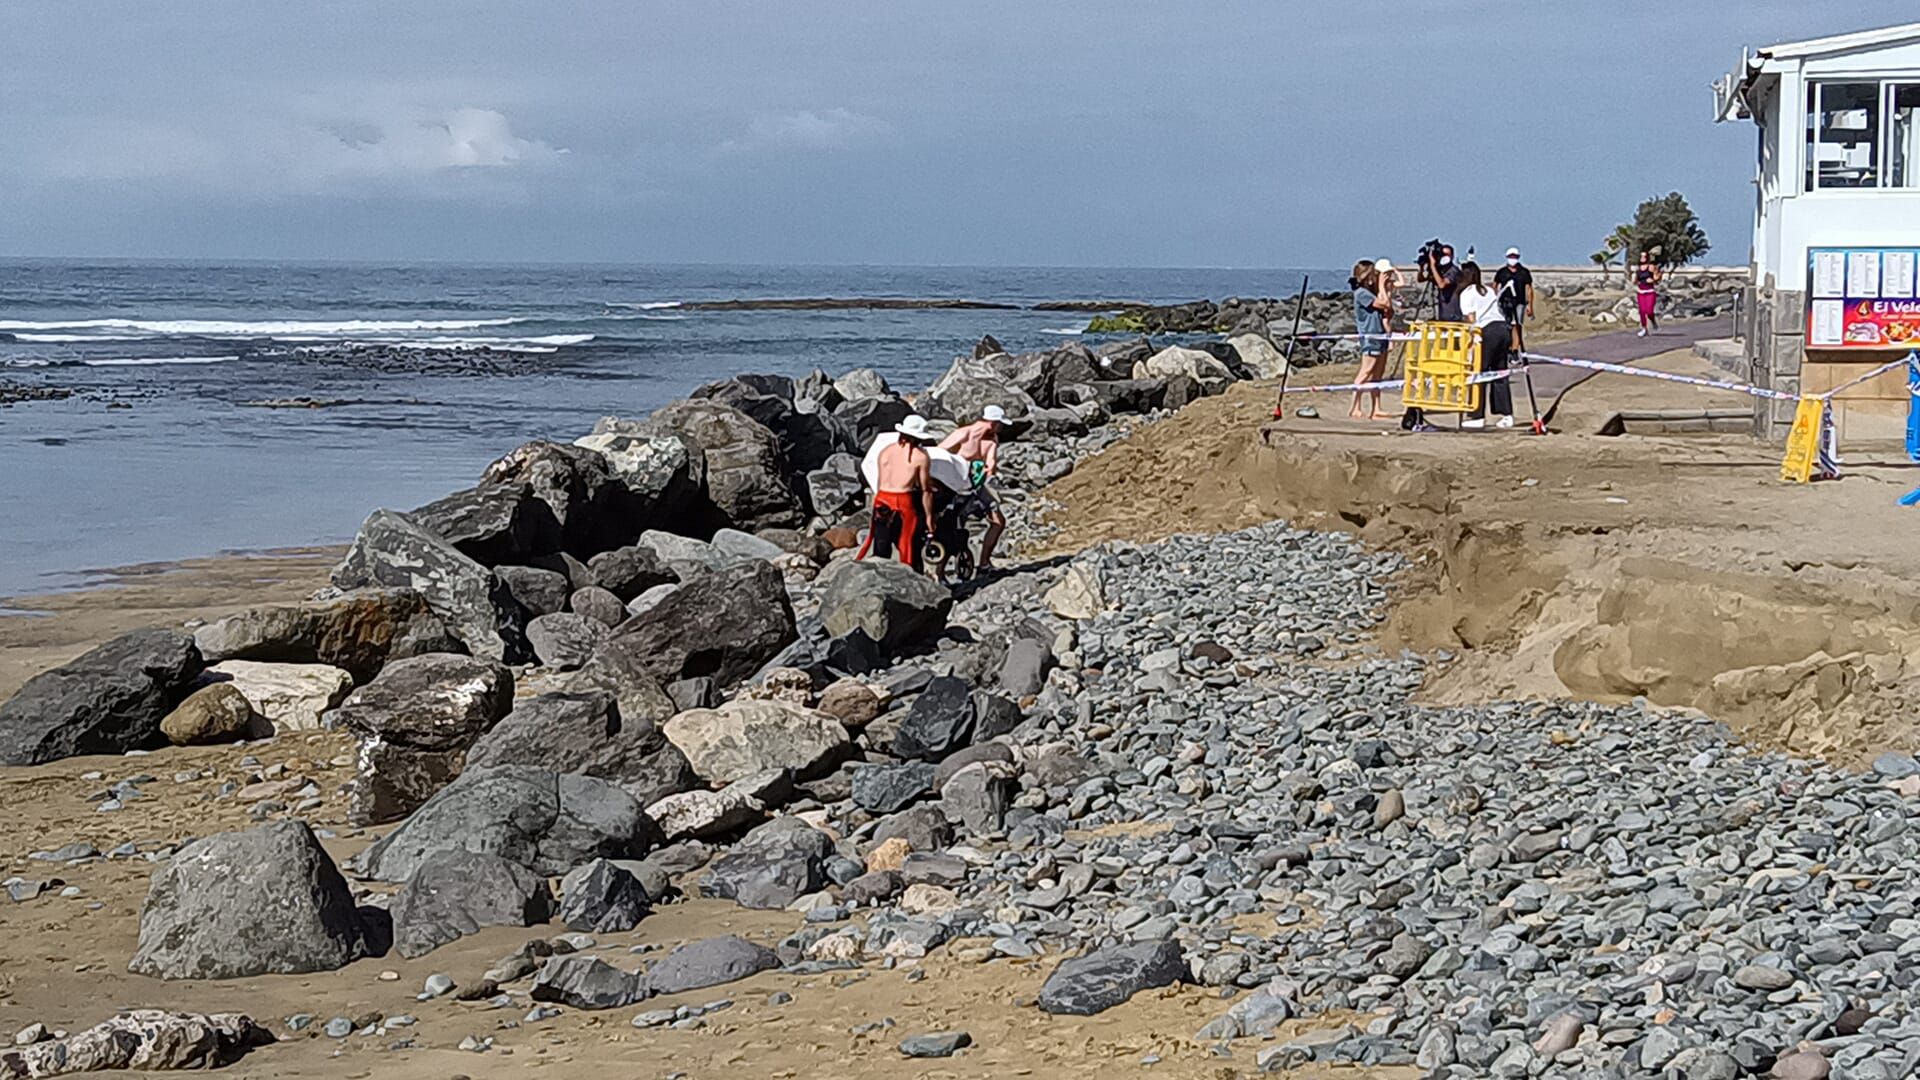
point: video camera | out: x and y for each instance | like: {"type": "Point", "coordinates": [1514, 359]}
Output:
{"type": "Point", "coordinates": [1428, 257]}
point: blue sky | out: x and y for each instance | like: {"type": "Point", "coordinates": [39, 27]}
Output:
{"type": "Point", "coordinates": [1037, 133]}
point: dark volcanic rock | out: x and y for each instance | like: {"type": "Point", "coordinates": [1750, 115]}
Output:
{"type": "Point", "coordinates": [547, 822]}
{"type": "Point", "coordinates": [591, 508]}
{"type": "Point", "coordinates": [493, 523]}
{"type": "Point", "coordinates": [605, 900]}
{"type": "Point", "coordinates": [940, 721]}
{"type": "Point", "coordinates": [264, 901]}
{"type": "Point", "coordinates": [456, 893]}
{"type": "Point", "coordinates": [393, 550]}
{"type": "Point", "coordinates": [711, 962]}
{"type": "Point", "coordinates": [586, 982]}
{"type": "Point", "coordinates": [891, 603]}
{"type": "Point", "coordinates": [415, 723]}
{"type": "Point", "coordinates": [109, 700]}
{"type": "Point", "coordinates": [882, 789]}
{"type": "Point", "coordinates": [629, 571]}
{"type": "Point", "coordinates": [773, 866]}
{"type": "Point", "coordinates": [360, 632]}
{"type": "Point", "coordinates": [587, 733]}
{"type": "Point", "coordinates": [723, 624]}
{"type": "Point", "coordinates": [869, 416]}
{"type": "Point", "coordinates": [541, 592]}
{"type": "Point", "coordinates": [746, 477]}
{"type": "Point", "coordinates": [1098, 981]}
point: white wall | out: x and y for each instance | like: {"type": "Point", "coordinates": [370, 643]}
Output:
{"type": "Point", "coordinates": [1792, 220]}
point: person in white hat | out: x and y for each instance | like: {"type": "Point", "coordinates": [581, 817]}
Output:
{"type": "Point", "coordinates": [1372, 283]}
{"type": "Point", "coordinates": [1514, 283]}
{"type": "Point", "coordinates": [902, 494]}
{"type": "Point", "coordinates": [980, 441]}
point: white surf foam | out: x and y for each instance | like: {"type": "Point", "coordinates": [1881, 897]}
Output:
{"type": "Point", "coordinates": [650, 305]}
{"type": "Point", "coordinates": [151, 361]}
{"type": "Point", "coordinates": [1065, 331]}
{"type": "Point", "coordinates": [264, 328]}
{"type": "Point", "coordinates": [55, 339]}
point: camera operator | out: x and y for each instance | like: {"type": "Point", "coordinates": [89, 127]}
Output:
{"type": "Point", "coordinates": [1436, 265]}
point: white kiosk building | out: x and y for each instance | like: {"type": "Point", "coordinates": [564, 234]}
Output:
{"type": "Point", "coordinates": [1836, 218]}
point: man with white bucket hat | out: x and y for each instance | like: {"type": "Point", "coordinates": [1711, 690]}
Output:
{"type": "Point", "coordinates": [980, 442]}
{"type": "Point", "coordinates": [902, 492]}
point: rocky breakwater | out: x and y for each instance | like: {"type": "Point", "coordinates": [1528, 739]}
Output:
{"type": "Point", "coordinates": [618, 673]}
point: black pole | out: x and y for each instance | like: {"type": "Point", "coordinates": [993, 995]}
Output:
{"type": "Point", "coordinates": [1526, 372]}
{"type": "Point", "coordinates": [1299, 307]}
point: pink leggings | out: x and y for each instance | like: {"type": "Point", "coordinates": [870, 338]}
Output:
{"type": "Point", "coordinates": [1647, 299]}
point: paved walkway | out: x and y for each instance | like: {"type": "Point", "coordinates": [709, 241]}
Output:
{"type": "Point", "coordinates": [1551, 383]}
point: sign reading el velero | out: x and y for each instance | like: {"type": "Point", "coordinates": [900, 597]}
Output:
{"type": "Point", "coordinates": [1863, 298]}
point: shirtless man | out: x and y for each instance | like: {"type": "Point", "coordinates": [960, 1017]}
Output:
{"type": "Point", "coordinates": [903, 499]}
{"type": "Point", "coordinates": [980, 441]}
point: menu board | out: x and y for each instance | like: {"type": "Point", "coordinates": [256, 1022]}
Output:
{"type": "Point", "coordinates": [1863, 298]}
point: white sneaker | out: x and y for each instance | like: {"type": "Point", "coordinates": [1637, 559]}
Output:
{"type": "Point", "coordinates": [1643, 332]}
{"type": "Point", "coordinates": [1504, 422]}
{"type": "Point", "coordinates": [1473, 423]}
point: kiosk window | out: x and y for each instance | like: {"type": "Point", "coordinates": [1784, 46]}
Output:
{"type": "Point", "coordinates": [1843, 137]}
{"type": "Point", "coordinates": [1903, 135]}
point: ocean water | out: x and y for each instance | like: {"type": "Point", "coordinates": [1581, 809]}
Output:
{"type": "Point", "coordinates": [189, 470]}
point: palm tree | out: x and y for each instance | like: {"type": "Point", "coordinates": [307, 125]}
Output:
{"type": "Point", "coordinates": [1617, 245]}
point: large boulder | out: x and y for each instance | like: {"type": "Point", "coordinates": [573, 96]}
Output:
{"type": "Point", "coordinates": [806, 435]}
{"type": "Point", "coordinates": [606, 899]}
{"type": "Point", "coordinates": [711, 962]}
{"type": "Point", "coordinates": [1258, 356]}
{"type": "Point", "coordinates": [1199, 366]}
{"type": "Point", "coordinates": [548, 822]}
{"type": "Point", "coordinates": [628, 571]}
{"type": "Point", "coordinates": [941, 720]}
{"type": "Point", "coordinates": [564, 641]}
{"type": "Point", "coordinates": [587, 733]}
{"type": "Point", "coordinates": [539, 590]}
{"type": "Point", "coordinates": [215, 713]}
{"type": "Point", "coordinates": [968, 387]}
{"type": "Point", "coordinates": [664, 475]}
{"type": "Point", "coordinates": [891, 603]}
{"type": "Point", "coordinates": [493, 523]}
{"type": "Point", "coordinates": [147, 1040]}
{"type": "Point", "coordinates": [861, 384]}
{"type": "Point", "coordinates": [723, 624]}
{"type": "Point", "coordinates": [359, 632]}
{"type": "Point", "coordinates": [291, 697]}
{"type": "Point", "coordinates": [586, 982]}
{"type": "Point", "coordinates": [867, 417]}
{"type": "Point", "coordinates": [593, 510]}
{"type": "Point", "coordinates": [109, 700]}
{"type": "Point", "coordinates": [415, 723]}
{"type": "Point", "coordinates": [744, 737]}
{"type": "Point", "coordinates": [1115, 396]}
{"type": "Point", "coordinates": [835, 488]}
{"type": "Point", "coordinates": [264, 901]}
{"type": "Point", "coordinates": [1101, 979]}
{"type": "Point", "coordinates": [456, 893]}
{"type": "Point", "coordinates": [393, 550]}
{"type": "Point", "coordinates": [747, 478]}
{"type": "Point", "coordinates": [771, 867]}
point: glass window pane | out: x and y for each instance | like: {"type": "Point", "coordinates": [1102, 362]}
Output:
{"type": "Point", "coordinates": [1844, 145]}
{"type": "Point", "coordinates": [1903, 135]}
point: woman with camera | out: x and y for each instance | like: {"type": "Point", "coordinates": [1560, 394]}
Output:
{"type": "Point", "coordinates": [1481, 306]}
{"type": "Point", "coordinates": [1372, 284]}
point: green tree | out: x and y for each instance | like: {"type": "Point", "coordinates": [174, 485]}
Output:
{"type": "Point", "coordinates": [1667, 227]}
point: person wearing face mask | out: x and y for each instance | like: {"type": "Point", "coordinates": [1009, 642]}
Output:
{"type": "Point", "coordinates": [1446, 285]}
{"type": "Point", "coordinates": [1514, 283]}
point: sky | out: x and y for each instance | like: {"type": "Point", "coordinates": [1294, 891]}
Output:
{"type": "Point", "coordinates": [1116, 133]}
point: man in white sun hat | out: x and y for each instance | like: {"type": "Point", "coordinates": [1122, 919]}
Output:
{"type": "Point", "coordinates": [980, 442]}
{"type": "Point", "coordinates": [902, 492]}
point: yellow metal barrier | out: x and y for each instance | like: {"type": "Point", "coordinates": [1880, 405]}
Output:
{"type": "Point", "coordinates": [1442, 358]}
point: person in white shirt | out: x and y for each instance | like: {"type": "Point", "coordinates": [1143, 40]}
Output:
{"type": "Point", "coordinates": [1481, 306]}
